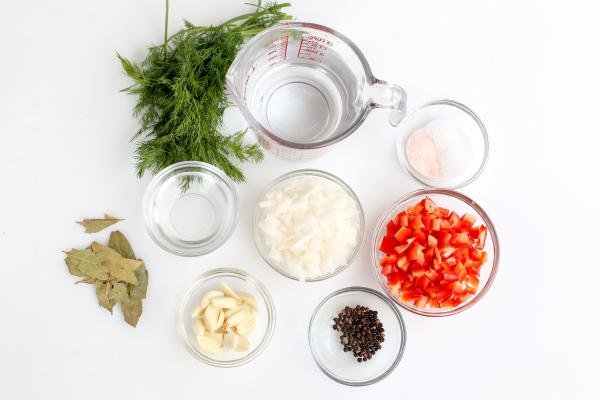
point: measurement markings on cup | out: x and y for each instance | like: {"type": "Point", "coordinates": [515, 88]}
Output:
{"type": "Point", "coordinates": [277, 50]}
{"type": "Point", "coordinates": [313, 48]}
{"type": "Point", "coordinates": [248, 75]}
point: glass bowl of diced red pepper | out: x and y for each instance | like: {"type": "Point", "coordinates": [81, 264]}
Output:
{"type": "Point", "coordinates": [435, 252]}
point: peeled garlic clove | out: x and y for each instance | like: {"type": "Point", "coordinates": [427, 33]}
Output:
{"type": "Point", "coordinates": [245, 328]}
{"type": "Point", "coordinates": [197, 312]}
{"type": "Point", "coordinates": [200, 328]}
{"type": "Point", "coordinates": [206, 301]}
{"type": "Point", "coordinates": [224, 302]}
{"type": "Point", "coordinates": [229, 291]}
{"type": "Point", "coordinates": [234, 310]}
{"type": "Point", "coordinates": [220, 319]}
{"type": "Point", "coordinates": [230, 341]}
{"type": "Point", "coordinates": [243, 344]}
{"type": "Point", "coordinates": [208, 344]}
{"type": "Point", "coordinates": [217, 337]}
{"type": "Point", "coordinates": [238, 318]}
{"type": "Point", "coordinates": [249, 300]}
{"type": "Point", "coordinates": [211, 318]}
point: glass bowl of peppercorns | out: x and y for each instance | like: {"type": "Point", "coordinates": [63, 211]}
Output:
{"type": "Point", "coordinates": [357, 336]}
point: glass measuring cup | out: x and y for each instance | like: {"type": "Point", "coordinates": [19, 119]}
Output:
{"type": "Point", "coordinates": [303, 87]}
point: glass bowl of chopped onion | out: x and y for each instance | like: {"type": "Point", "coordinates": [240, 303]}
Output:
{"type": "Point", "coordinates": [308, 225]}
{"type": "Point", "coordinates": [226, 318]}
{"type": "Point", "coordinates": [435, 252]}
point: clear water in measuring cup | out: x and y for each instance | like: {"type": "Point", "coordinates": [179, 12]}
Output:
{"type": "Point", "coordinates": [299, 102]}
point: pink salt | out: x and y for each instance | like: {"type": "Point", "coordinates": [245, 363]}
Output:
{"type": "Point", "coordinates": [422, 154]}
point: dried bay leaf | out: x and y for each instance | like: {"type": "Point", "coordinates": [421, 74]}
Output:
{"type": "Point", "coordinates": [142, 287]}
{"type": "Point", "coordinates": [118, 292]}
{"type": "Point", "coordinates": [118, 278]}
{"type": "Point", "coordinates": [102, 293]}
{"type": "Point", "coordinates": [119, 267]}
{"type": "Point", "coordinates": [132, 309]}
{"type": "Point", "coordinates": [93, 225]}
{"type": "Point", "coordinates": [73, 270]}
{"type": "Point", "coordinates": [132, 306]}
{"type": "Point", "coordinates": [88, 263]}
{"type": "Point", "coordinates": [122, 270]}
{"type": "Point", "coordinates": [119, 243]}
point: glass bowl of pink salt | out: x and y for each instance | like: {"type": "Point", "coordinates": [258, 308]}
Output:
{"type": "Point", "coordinates": [443, 144]}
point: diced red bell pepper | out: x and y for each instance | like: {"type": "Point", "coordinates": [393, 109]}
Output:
{"type": "Point", "coordinates": [421, 301]}
{"type": "Point", "coordinates": [420, 236]}
{"type": "Point", "coordinates": [444, 239]}
{"type": "Point", "coordinates": [387, 269]}
{"type": "Point", "coordinates": [391, 259]}
{"type": "Point", "coordinates": [388, 243]}
{"type": "Point", "coordinates": [414, 251]}
{"type": "Point", "coordinates": [417, 223]}
{"type": "Point", "coordinates": [402, 219]}
{"type": "Point", "coordinates": [460, 238]}
{"type": "Point", "coordinates": [402, 263]}
{"type": "Point", "coordinates": [447, 252]}
{"type": "Point", "coordinates": [468, 220]}
{"type": "Point", "coordinates": [454, 220]}
{"type": "Point", "coordinates": [450, 277]}
{"type": "Point", "coordinates": [429, 205]}
{"type": "Point", "coordinates": [433, 275]}
{"type": "Point", "coordinates": [461, 271]}
{"type": "Point", "coordinates": [401, 249]}
{"type": "Point", "coordinates": [443, 212]}
{"type": "Point", "coordinates": [473, 281]}
{"type": "Point", "coordinates": [481, 238]}
{"type": "Point", "coordinates": [391, 228]}
{"type": "Point", "coordinates": [402, 234]}
{"type": "Point", "coordinates": [422, 282]}
{"type": "Point", "coordinates": [432, 257]}
{"type": "Point", "coordinates": [432, 241]}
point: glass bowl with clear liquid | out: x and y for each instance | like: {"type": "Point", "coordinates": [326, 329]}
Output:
{"type": "Point", "coordinates": [190, 208]}
{"type": "Point", "coordinates": [303, 87]}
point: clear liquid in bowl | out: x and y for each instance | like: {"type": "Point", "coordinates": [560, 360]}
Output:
{"type": "Point", "coordinates": [298, 102]}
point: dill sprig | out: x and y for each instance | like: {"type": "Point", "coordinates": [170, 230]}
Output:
{"type": "Point", "coordinates": [181, 94]}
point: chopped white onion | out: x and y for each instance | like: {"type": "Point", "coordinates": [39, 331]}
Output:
{"type": "Point", "coordinates": [309, 225]}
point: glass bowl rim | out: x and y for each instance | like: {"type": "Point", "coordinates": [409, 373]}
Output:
{"type": "Point", "coordinates": [394, 310]}
{"type": "Point", "coordinates": [401, 143]}
{"type": "Point", "coordinates": [321, 174]}
{"type": "Point", "coordinates": [156, 182]}
{"type": "Point", "coordinates": [386, 216]}
{"type": "Point", "coordinates": [258, 285]}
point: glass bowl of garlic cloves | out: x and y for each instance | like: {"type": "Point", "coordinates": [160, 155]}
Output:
{"type": "Point", "coordinates": [226, 318]}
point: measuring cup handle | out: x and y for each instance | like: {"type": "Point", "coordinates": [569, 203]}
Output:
{"type": "Point", "coordinates": [387, 95]}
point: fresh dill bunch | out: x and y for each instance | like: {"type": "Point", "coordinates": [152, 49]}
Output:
{"type": "Point", "coordinates": [181, 94]}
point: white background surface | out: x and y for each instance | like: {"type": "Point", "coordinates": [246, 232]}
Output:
{"type": "Point", "coordinates": [531, 70]}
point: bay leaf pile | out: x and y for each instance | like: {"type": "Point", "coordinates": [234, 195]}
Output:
{"type": "Point", "coordinates": [117, 275]}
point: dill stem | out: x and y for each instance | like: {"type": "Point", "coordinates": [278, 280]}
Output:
{"type": "Point", "coordinates": [166, 26]}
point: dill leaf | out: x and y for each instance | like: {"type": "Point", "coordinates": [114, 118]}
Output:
{"type": "Point", "coordinates": [181, 94]}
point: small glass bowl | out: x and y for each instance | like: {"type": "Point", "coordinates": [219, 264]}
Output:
{"type": "Point", "coordinates": [190, 208]}
{"type": "Point", "coordinates": [239, 281]}
{"type": "Point", "coordinates": [263, 249]}
{"type": "Point", "coordinates": [453, 201]}
{"type": "Point", "coordinates": [465, 122]}
{"type": "Point", "coordinates": [329, 354]}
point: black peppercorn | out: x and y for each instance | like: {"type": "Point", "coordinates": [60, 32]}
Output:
{"type": "Point", "coordinates": [361, 332]}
